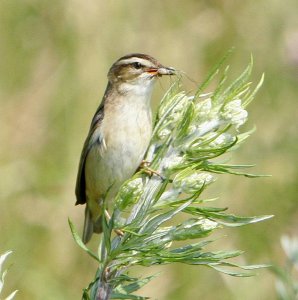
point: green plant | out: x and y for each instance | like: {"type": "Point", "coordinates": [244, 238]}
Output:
{"type": "Point", "coordinates": [3, 274]}
{"type": "Point", "coordinates": [191, 133]}
{"type": "Point", "coordinates": [287, 276]}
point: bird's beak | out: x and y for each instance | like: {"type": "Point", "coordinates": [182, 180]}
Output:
{"type": "Point", "coordinates": [161, 71]}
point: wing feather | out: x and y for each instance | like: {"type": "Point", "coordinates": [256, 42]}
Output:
{"type": "Point", "coordinates": [80, 190]}
{"type": "Point", "coordinates": [89, 142]}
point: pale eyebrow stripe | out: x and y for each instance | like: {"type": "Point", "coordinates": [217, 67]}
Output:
{"type": "Point", "coordinates": [131, 60]}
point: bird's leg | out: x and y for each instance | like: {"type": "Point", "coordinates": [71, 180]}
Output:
{"type": "Point", "coordinates": [144, 166]}
{"type": "Point", "coordinates": [117, 231]}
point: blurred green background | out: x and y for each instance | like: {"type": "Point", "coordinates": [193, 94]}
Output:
{"type": "Point", "coordinates": [54, 56]}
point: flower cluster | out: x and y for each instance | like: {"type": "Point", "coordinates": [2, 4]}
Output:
{"type": "Point", "coordinates": [170, 119]}
{"type": "Point", "coordinates": [129, 193]}
{"type": "Point", "coordinates": [190, 182]}
{"type": "Point", "coordinates": [234, 113]}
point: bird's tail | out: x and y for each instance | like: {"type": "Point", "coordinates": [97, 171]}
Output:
{"type": "Point", "coordinates": [91, 226]}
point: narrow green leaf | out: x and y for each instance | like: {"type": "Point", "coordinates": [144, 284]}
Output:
{"type": "Point", "coordinates": [218, 90]}
{"type": "Point", "coordinates": [126, 296]}
{"type": "Point", "coordinates": [80, 243]}
{"type": "Point", "coordinates": [160, 219]}
{"type": "Point", "coordinates": [252, 95]}
{"type": "Point", "coordinates": [238, 85]}
{"type": "Point", "coordinates": [170, 93]}
{"type": "Point", "coordinates": [213, 72]}
{"type": "Point", "coordinates": [85, 295]}
{"type": "Point", "coordinates": [226, 169]}
{"type": "Point", "coordinates": [185, 122]}
{"type": "Point", "coordinates": [3, 258]}
{"type": "Point", "coordinates": [11, 296]}
{"type": "Point", "coordinates": [226, 219]}
{"type": "Point", "coordinates": [254, 267]}
{"type": "Point", "coordinates": [230, 272]}
{"type": "Point", "coordinates": [191, 247]}
{"type": "Point", "coordinates": [132, 287]}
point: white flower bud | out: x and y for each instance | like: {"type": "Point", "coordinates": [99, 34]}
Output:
{"type": "Point", "coordinates": [192, 183]}
{"type": "Point", "coordinates": [208, 224]}
{"type": "Point", "coordinates": [203, 108]}
{"type": "Point", "coordinates": [164, 133]}
{"type": "Point", "coordinates": [192, 228]}
{"type": "Point", "coordinates": [134, 186]}
{"type": "Point", "coordinates": [173, 118]}
{"type": "Point", "coordinates": [208, 126]}
{"type": "Point", "coordinates": [172, 160]}
{"type": "Point", "coordinates": [129, 193]}
{"type": "Point", "coordinates": [222, 140]}
{"type": "Point", "coordinates": [234, 113]}
{"type": "Point", "coordinates": [205, 224]}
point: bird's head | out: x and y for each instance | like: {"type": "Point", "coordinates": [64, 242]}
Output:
{"type": "Point", "coordinates": [136, 73]}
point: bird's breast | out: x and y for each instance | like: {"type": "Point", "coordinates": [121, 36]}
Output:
{"type": "Point", "coordinates": [126, 130]}
{"type": "Point", "coordinates": [127, 133]}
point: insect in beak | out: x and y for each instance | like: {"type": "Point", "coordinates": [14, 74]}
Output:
{"type": "Point", "coordinates": [161, 71]}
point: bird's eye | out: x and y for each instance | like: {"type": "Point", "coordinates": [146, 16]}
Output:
{"type": "Point", "coordinates": [137, 65]}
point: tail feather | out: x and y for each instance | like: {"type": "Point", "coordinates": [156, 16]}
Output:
{"type": "Point", "coordinates": [90, 226]}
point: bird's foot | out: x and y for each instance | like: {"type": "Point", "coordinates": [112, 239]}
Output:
{"type": "Point", "coordinates": [119, 232]}
{"type": "Point", "coordinates": [144, 166]}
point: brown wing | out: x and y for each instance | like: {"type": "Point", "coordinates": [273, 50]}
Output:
{"type": "Point", "coordinates": [89, 142]}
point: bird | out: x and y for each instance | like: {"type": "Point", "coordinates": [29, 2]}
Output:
{"type": "Point", "coordinates": [119, 135]}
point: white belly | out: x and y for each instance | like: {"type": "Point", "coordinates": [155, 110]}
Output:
{"type": "Point", "coordinates": [127, 135]}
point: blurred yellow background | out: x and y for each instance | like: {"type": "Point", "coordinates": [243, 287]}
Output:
{"type": "Point", "coordinates": [54, 56]}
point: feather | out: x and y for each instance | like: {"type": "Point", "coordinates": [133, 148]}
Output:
{"type": "Point", "coordinates": [80, 190]}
